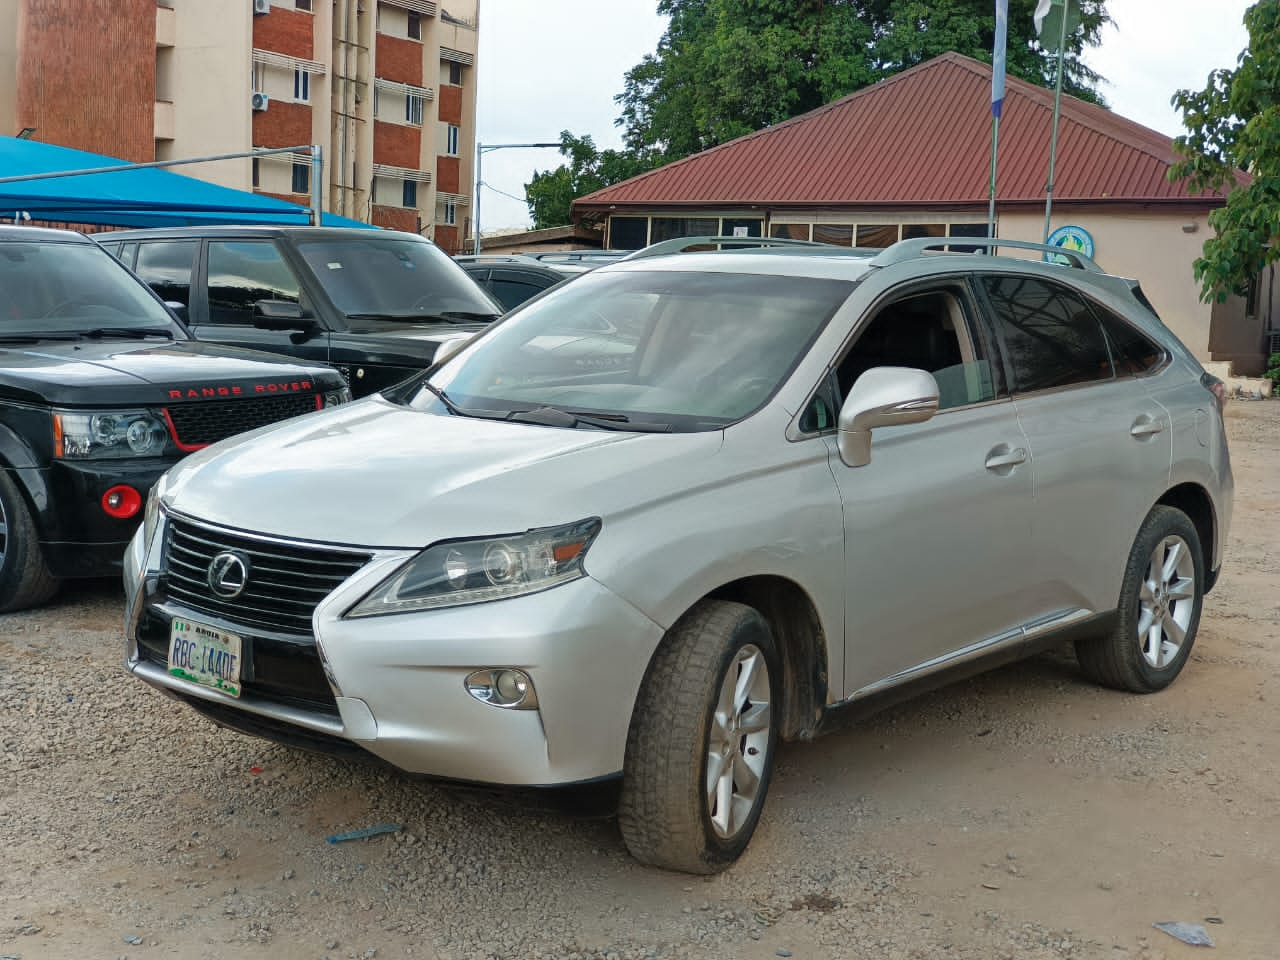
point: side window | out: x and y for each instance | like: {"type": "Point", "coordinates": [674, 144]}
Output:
{"type": "Point", "coordinates": [512, 293]}
{"type": "Point", "coordinates": [166, 266]}
{"type": "Point", "coordinates": [930, 331]}
{"type": "Point", "coordinates": [1132, 351]}
{"type": "Point", "coordinates": [242, 272]}
{"type": "Point", "coordinates": [1052, 337]}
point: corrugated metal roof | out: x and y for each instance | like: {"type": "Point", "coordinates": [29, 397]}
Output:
{"type": "Point", "coordinates": [921, 137]}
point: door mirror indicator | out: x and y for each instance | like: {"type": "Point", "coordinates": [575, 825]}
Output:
{"type": "Point", "coordinates": [883, 397]}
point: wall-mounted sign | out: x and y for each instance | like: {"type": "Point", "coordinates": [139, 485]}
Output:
{"type": "Point", "coordinates": [1070, 237]}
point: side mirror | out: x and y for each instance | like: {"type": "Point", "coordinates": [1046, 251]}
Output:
{"type": "Point", "coordinates": [883, 397]}
{"type": "Point", "coordinates": [280, 315]}
{"type": "Point", "coordinates": [178, 309]}
{"type": "Point", "coordinates": [447, 350]}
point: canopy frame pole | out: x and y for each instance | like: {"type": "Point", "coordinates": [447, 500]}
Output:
{"type": "Point", "coordinates": [121, 167]}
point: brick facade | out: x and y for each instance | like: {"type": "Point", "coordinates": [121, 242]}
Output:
{"type": "Point", "coordinates": [396, 145]}
{"type": "Point", "coordinates": [301, 199]}
{"type": "Point", "coordinates": [395, 218]}
{"type": "Point", "coordinates": [285, 31]}
{"type": "Point", "coordinates": [450, 105]}
{"type": "Point", "coordinates": [447, 175]}
{"type": "Point", "coordinates": [282, 124]}
{"type": "Point", "coordinates": [399, 60]}
{"type": "Point", "coordinates": [446, 239]}
{"type": "Point", "coordinates": [87, 75]}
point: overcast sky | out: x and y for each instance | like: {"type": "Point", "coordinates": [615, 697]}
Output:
{"type": "Point", "coordinates": [552, 65]}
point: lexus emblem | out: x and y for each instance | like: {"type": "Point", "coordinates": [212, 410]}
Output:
{"type": "Point", "coordinates": [228, 574]}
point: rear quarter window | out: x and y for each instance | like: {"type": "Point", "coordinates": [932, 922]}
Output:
{"type": "Point", "coordinates": [1132, 351]}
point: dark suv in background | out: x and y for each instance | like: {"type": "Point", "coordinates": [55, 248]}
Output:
{"type": "Point", "coordinates": [375, 304]}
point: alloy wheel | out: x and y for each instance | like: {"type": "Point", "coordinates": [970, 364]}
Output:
{"type": "Point", "coordinates": [738, 743]}
{"type": "Point", "coordinates": [1166, 601]}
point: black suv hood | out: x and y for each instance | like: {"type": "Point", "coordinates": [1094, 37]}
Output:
{"type": "Point", "coordinates": [86, 373]}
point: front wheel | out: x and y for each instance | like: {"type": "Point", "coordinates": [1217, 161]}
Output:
{"type": "Point", "coordinates": [702, 741]}
{"type": "Point", "coordinates": [25, 581]}
{"type": "Point", "coordinates": [1160, 603]}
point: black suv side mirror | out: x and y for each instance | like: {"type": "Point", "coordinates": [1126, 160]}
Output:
{"type": "Point", "coordinates": [281, 315]}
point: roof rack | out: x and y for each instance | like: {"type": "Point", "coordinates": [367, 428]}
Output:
{"type": "Point", "coordinates": [680, 244]}
{"type": "Point", "coordinates": [916, 247]}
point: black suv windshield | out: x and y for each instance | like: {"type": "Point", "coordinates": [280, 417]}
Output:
{"type": "Point", "coordinates": [374, 279]}
{"type": "Point", "coordinates": [66, 289]}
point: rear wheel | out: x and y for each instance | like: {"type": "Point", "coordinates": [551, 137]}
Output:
{"type": "Point", "coordinates": [25, 581]}
{"type": "Point", "coordinates": [702, 741]}
{"type": "Point", "coordinates": [1160, 605]}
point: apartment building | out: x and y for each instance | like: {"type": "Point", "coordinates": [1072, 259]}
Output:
{"type": "Point", "coordinates": [386, 88]}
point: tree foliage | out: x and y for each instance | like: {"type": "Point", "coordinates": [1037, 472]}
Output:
{"type": "Point", "coordinates": [727, 67]}
{"type": "Point", "coordinates": [550, 193]}
{"type": "Point", "coordinates": [1233, 124]}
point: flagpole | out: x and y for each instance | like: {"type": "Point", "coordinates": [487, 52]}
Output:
{"type": "Point", "coordinates": [997, 102]}
{"type": "Point", "coordinates": [995, 147]}
{"type": "Point", "coordinates": [1057, 110]}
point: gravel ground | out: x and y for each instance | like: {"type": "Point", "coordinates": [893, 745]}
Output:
{"type": "Point", "coordinates": [1024, 814]}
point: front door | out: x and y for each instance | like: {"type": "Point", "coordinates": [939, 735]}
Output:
{"type": "Point", "coordinates": [937, 525]}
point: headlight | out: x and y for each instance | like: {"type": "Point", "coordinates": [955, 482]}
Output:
{"type": "Point", "coordinates": [111, 434]}
{"type": "Point", "coordinates": [151, 514]}
{"type": "Point", "coordinates": [473, 571]}
{"type": "Point", "coordinates": [333, 398]}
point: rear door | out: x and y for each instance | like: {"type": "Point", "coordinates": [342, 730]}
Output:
{"type": "Point", "coordinates": [235, 275]}
{"type": "Point", "coordinates": [1100, 443]}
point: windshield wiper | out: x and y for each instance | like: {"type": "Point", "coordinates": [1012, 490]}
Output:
{"type": "Point", "coordinates": [16, 339]}
{"type": "Point", "coordinates": [463, 411]}
{"type": "Point", "coordinates": [557, 417]}
{"type": "Point", "coordinates": [449, 316]}
{"type": "Point", "coordinates": [127, 333]}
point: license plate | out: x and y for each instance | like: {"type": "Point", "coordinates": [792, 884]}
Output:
{"type": "Point", "coordinates": [205, 655]}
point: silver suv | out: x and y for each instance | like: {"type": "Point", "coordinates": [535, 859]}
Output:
{"type": "Point", "coordinates": [687, 506]}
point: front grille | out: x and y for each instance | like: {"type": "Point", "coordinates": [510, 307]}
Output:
{"type": "Point", "coordinates": [286, 580]}
{"type": "Point", "coordinates": [202, 423]}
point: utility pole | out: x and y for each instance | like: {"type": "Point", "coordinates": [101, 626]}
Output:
{"type": "Point", "coordinates": [481, 150]}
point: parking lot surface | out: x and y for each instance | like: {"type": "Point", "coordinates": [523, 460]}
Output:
{"type": "Point", "coordinates": [1024, 814]}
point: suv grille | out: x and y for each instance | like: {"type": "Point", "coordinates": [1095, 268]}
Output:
{"type": "Point", "coordinates": [286, 581]}
{"type": "Point", "coordinates": [200, 424]}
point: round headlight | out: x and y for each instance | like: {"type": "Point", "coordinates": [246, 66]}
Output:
{"type": "Point", "coordinates": [456, 568]}
{"type": "Point", "coordinates": [502, 564]}
{"type": "Point", "coordinates": [143, 436]}
{"type": "Point", "coordinates": [105, 430]}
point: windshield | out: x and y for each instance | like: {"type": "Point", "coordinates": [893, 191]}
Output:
{"type": "Point", "coordinates": [693, 351]}
{"type": "Point", "coordinates": [72, 288]}
{"type": "Point", "coordinates": [373, 279]}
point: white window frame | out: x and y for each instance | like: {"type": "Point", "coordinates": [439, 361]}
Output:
{"type": "Point", "coordinates": [301, 85]}
{"type": "Point", "coordinates": [451, 140]}
{"type": "Point", "coordinates": [450, 213]}
{"type": "Point", "coordinates": [414, 108]}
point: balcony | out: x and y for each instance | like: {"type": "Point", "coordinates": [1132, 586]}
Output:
{"type": "Point", "coordinates": [166, 25]}
{"type": "Point", "coordinates": [164, 120]}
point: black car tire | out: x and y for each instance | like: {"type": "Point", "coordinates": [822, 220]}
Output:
{"type": "Point", "coordinates": [665, 812]}
{"type": "Point", "coordinates": [25, 580]}
{"type": "Point", "coordinates": [1123, 659]}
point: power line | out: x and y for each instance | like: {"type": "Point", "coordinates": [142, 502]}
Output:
{"type": "Point", "coordinates": [511, 196]}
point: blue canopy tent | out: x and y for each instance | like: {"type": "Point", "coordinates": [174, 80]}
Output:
{"type": "Point", "coordinates": [150, 197]}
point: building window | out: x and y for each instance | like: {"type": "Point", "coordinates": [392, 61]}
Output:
{"type": "Point", "coordinates": [451, 146]}
{"type": "Point", "coordinates": [415, 26]}
{"type": "Point", "coordinates": [301, 177]}
{"type": "Point", "coordinates": [375, 101]}
{"type": "Point", "coordinates": [259, 78]}
{"type": "Point", "coordinates": [256, 182]}
{"type": "Point", "coordinates": [450, 213]}
{"type": "Point", "coordinates": [410, 193]}
{"type": "Point", "coordinates": [455, 74]}
{"type": "Point", "coordinates": [301, 86]}
{"type": "Point", "coordinates": [413, 109]}
{"type": "Point", "coordinates": [302, 5]}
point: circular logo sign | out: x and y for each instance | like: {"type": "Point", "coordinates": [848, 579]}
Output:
{"type": "Point", "coordinates": [1070, 237]}
{"type": "Point", "coordinates": [228, 574]}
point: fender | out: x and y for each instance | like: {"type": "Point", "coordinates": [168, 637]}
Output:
{"type": "Point", "coordinates": [28, 473]}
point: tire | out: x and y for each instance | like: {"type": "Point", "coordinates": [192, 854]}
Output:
{"type": "Point", "coordinates": [25, 580]}
{"type": "Point", "coordinates": [1160, 603]}
{"type": "Point", "coordinates": [681, 808]}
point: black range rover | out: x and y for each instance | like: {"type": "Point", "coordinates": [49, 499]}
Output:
{"type": "Point", "coordinates": [101, 391]}
{"type": "Point", "coordinates": [376, 304]}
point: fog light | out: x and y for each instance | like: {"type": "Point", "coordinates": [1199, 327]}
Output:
{"type": "Point", "coordinates": [503, 687]}
{"type": "Point", "coordinates": [122, 502]}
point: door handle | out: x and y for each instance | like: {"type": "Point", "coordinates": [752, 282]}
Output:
{"type": "Point", "coordinates": [1002, 457]}
{"type": "Point", "coordinates": [1144, 426]}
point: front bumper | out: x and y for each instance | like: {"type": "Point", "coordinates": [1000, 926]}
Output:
{"type": "Point", "coordinates": [396, 682]}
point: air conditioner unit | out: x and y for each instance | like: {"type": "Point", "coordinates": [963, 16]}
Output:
{"type": "Point", "coordinates": [261, 6]}
{"type": "Point", "coordinates": [260, 101]}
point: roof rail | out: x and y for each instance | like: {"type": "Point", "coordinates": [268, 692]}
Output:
{"type": "Point", "coordinates": [680, 244]}
{"type": "Point", "coordinates": [917, 246]}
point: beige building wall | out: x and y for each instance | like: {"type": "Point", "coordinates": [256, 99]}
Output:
{"type": "Point", "coordinates": [8, 67]}
{"type": "Point", "coordinates": [1155, 247]}
{"type": "Point", "coordinates": [210, 79]}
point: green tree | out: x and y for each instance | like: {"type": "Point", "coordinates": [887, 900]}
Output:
{"type": "Point", "coordinates": [1233, 124]}
{"type": "Point", "coordinates": [727, 67]}
{"type": "Point", "coordinates": [550, 193]}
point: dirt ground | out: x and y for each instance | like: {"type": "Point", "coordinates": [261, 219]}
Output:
{"type": "Point", "coordinates": [1023, 814]}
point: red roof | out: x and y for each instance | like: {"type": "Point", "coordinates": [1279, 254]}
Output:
{"type": "Point", "coordinates": [922, 136]}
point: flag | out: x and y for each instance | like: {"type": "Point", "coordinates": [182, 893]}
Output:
{"type": "Point", "coordinates": [1049, 16]}
{"type": "Point", "coordinates": [1042, 11]}
{"type": "Point", "coordinates": [998, 57]}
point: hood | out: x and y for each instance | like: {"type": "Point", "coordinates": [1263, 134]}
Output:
{"type": "Point", "coordinates": [90, 373]}
{"type": "Point", "coordinates": [376, 474]}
